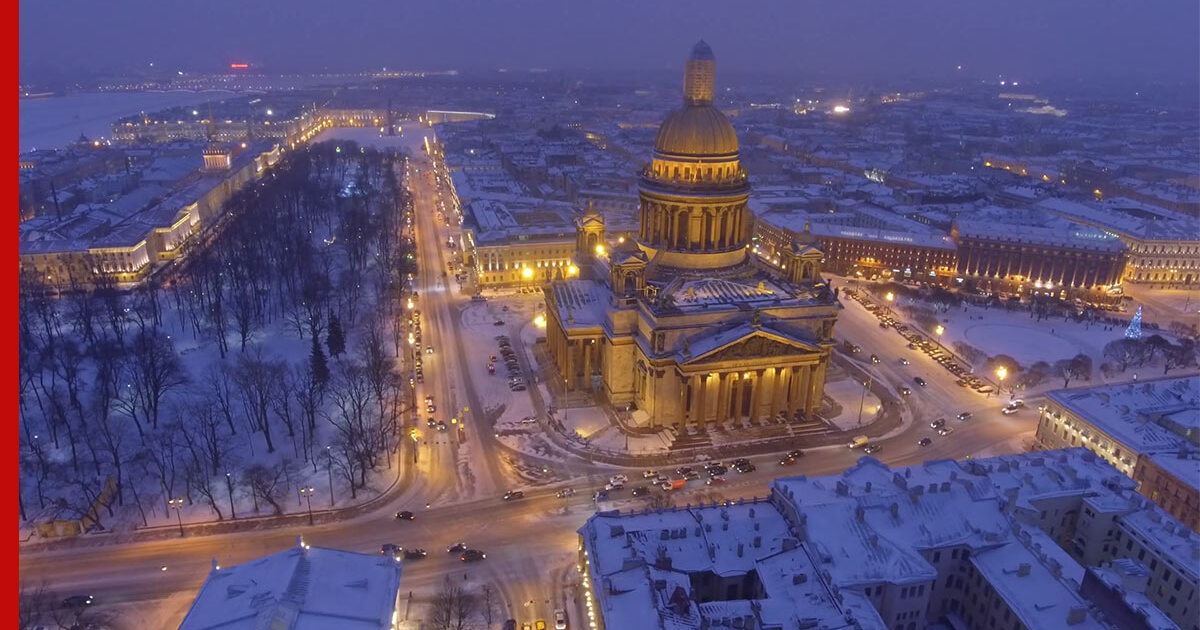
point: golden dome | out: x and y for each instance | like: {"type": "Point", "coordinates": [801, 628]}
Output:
{"type": "Point", "coordinates": [696, 131]}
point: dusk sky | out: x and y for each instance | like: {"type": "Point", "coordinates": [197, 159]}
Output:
{"type": "Point", "coordinates": [855, 38]}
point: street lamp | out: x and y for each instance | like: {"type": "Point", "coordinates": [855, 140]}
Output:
{"type": "Point", "coordinates": [889, 297]}
{"type": "Point", "coordinates": [177, 505]}
{"type": "Point", "coordinates": [307, 494]}
{"type": "Point", "coordinates": [329, 455]}
{"type": "Point", "coordinates": [229, 487]}
{"type": "Point", "coordinates": [1001, 374]}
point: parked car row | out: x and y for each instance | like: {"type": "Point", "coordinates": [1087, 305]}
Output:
{"type": "Point", "coordinates": [516, 378]}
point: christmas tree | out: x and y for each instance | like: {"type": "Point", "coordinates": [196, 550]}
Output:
{"type": "Point", "coordinates": [1135, 326]}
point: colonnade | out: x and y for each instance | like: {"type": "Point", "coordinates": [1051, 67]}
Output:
{"type": "Point", "coordinates": [756, 394]}
{"type": "Point", "coordinates": [574, 358]}
{"type": "Point", "coordinates": [693, 228]}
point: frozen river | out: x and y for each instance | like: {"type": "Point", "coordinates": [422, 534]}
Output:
{"type": "Point", "coordinates": [54, 122]}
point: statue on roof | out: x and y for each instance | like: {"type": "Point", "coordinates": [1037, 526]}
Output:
{"type": "Point", "coordinates": [756, 318]}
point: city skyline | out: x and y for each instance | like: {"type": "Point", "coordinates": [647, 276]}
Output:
{"type": "Point", "coordinates": [1063, 40]}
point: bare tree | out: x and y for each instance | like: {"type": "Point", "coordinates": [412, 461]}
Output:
{"type": "Point", "coordinates": [266, 483]}
{"type": "Point", "coordinates": [454, 608]}
{"type": "Point", "coordinates": [258, 378]}
{"type": "Point", "coordinates": [489, 604]}
{"type": "Point", "coordinates": [152, 370]}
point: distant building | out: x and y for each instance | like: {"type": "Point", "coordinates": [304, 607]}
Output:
{"type": "Point", "coordinates": [1149, 430]}
{"type": "Point", "coordinates": [302, 588]}
{"type": "Point", "coordinates": [518, 241]}
{"type": "Point", "coordinates": [155, 222]}
{"type": "Point", "coordinates": [1040, 541]}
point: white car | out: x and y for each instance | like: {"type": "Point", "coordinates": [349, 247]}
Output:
{"type": "Point", "coordinates": [621, 477]}
{"type": "Point", "coordinates": [1008, 411]}
{"type": "Point", "coordinates": [528, 420]}
{"type": "Point", "coordinates": [560, 620]}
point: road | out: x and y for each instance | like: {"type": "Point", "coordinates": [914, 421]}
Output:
{"type": "Point", "coordinates": [531, 542]}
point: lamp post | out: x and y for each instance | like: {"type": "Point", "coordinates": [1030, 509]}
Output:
{"type": "Point", "coordinates": [329, 456]}
{"type": "Point", "coordinates": [177, 505]}
{"type": "Point", "coordinates": [889, 297]}
{"type": "Point", "coordinates": [307, 494]}
{"type": "Point", "coordinates": [938, 331]}
{"type": "Point", "coordinates": [229, 487]}
{"type": "Point", "coordinates": [863, 400]}
{"type": "Point", "coordinates": [1001, 374]}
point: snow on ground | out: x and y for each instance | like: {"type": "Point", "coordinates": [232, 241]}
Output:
{"type": "Point", "coordinates": [584, 421]}
{"type": "Point", "coordinates": [1015, 333]}
{"type": "Point", "coordinates": [411, 137]}
{"type": "Point", "coordinates": [849, 394]}
{"type": "Point", "coordinates": [615, 440]}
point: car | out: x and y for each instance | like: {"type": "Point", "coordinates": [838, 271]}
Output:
{"type": "Point", "coordinates": [874, 358]}
{"type": "Point", "coordinates": [529, 420]}
{"type": "Point", "coordinates": [504, 308]}
{"type": "Point", "coordinates": [405, 516]}
{"type": "Point", "coordinates": [513, 495]}
{"type": "Point", "coordinates": [1008, 411]}
{"type": "Point", "coordinates": [491, 368]}
{"type": "Point", "coordinates": [924, 441]}
{"type": "Point", "coordinates": [964, 416]}
{"type": "Point", "coordinates": [565, 492]}
{"type": "Point", "coordinates": [621, 477]}
{"type": "Point", "coordinates": [415, 554]}
{"type": "Point", "coordinates": [690, 475]}
{"type": "Point", "coordinates": [920, 381]}
{"type": "Point", "coordinates": [903, 361]}
{"type": "Point", "coordinates": [787, 461]}
{"type": "Point", "coordinates": [613, 486]}
{"type": "Point", "coordinates": [912, 346]}
{"type": "Point", "coordinates": [498, 322]}
{"type": "Point", "coordinates": [940, 422]}
{"type": "Point", "coordinates": [1016, 402]}
{"type": "Point", "coordinates": [78, 601]}
{"type": "Point", "coordinates": [560, 620]}
{"type": "Point", "coordinates": [872, 448]}
{"type": "Point", "coordinates": [714, 480]}
{"type": "Point", "coordinates": [428, 349]}
{"type": "Point", "coordinates": [715, 471]}
{"type": "Point", "coordinates": [472, 555]}
{"type": "Point", "coordinates": [660, 479]}
{"type": "Point", "coordinates": [945, 430]}
{"type": "Point", "coordinates": [517, 388]}
{"type": "Point", "coordinates": [431, 423]}
{"type": "Point", "coordinates": [640, 491]}
{"type": "Point", "coordinates": [526, 626]}
{"type": "Point", "coordinates": [600, 495]}
{"type": "Point", "coordinates": [441, 426]}
{"type": "Point", "coordinates": [540, 624]}
{"type": "Point", "coordinates": [430, 408]}
{"type": "Point", "coordinates": [390, 549]}
{"type": "Point", "coordinates": [748, 467]}
{"type": "Point", "coordinates": [883, 325]}
{"type": "Point", "coordinates": [429, 400]}
{"type": "Point", "coordinates": [741, 461]}
{"type": "Point", "coordinates": [905, 390]}
{"type": "Point", "coordinates": [795, 453]}
{"type": "Point", "coordinates": [457, 547]}
{"type": "Point", "coordinates": [649, 474]}
{"type": "Point", "coordinates": [683, 470]}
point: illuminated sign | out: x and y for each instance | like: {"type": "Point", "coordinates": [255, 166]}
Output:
{"type": "Point", "coordinates": [239, 66]}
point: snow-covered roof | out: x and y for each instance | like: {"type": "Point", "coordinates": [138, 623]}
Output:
{"type": "Point", "coordinates": [1133, 413]}
{"type": "Point", "coordinates": [302, 588]}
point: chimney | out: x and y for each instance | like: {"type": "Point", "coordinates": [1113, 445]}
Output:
{"type": "Point", "coordinates": [867, 487]}
{"type": "Point", "coordinates": [757, 541]}
{"type": "Point", "coordinates": [740, 550]}
{"type": "Point", "coordinates": [894, 509]}
{"type": "Point", "coordinates": [859, 514]}
{"type": "Point", "coordinates": [1023, 569]}
{"type": "Point", "coordinates": [1076, 616]}
{"type": "Point", "coordinates": [842, 488]}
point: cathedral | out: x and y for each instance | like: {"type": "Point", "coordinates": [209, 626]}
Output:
{"type": "Point", "coordinates": [682, 324]}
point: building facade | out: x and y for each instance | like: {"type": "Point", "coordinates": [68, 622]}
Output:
{"type": "Point", "coordinates": [1037, 257]}
{"type": "Point", "coordinates": [681, 323]}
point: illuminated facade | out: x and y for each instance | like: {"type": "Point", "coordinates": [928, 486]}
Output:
{"type": "Point", "coordinates": [1027, 256]}
{"type": "Point", "coordinates": [681, 323]}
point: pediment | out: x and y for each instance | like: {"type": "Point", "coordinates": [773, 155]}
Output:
{"type": "Point", "coordinates": [756, 345]}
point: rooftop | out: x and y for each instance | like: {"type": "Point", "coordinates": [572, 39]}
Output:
{"type": "Point", "coordinates": [1138, 414]}
{"type": "Point", "coordinates": [302, 588]}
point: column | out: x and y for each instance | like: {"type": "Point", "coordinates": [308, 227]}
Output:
{"type": "Point", "coordinates": [755, 395]}
{"type": "Point", "coordinates": [789, 398]}
{"type": "Point", "coordinates": [708, 229]}
{"type": "Point", "coordinates": [701, 412]}
{"type": "Point", "coordinates": [816, 388]}
{"type": "Point", "coordinates": [722, 397]}
{"type": "Point", "coordinates": [587, 363]}
{"type": "Point", "coordinates": [694, 403]}
{"type": "Point", "coordinates": [737, 393]}
{"type": "Point", "coordinates": [773, 397]}
{"type": "Point", "coordinates": [695, 230]}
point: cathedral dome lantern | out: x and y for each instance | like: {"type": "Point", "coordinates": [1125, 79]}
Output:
{"type": "Point", "coordinates": [694, 192]}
